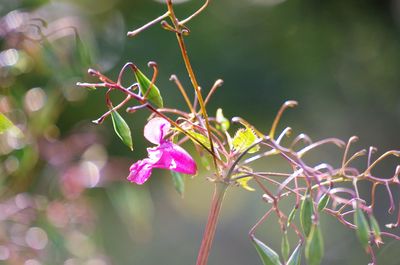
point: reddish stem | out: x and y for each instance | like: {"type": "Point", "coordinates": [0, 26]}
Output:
{"type": "Point", "coordinates": [208, 236]}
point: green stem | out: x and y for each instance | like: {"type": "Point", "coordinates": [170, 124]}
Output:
{"type": "Point", "coordinates": [208, 237]}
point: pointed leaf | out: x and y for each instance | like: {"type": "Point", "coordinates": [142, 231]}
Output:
{"type": "Point", "coordinates": [314, 246]}
{"type": "Point", "coordinates": [121, 128]}
{"type": "Point", "coordinates": [201, 138]}
{"type": "Point", "coordinates": [223, 123]}
{"type": "Point", "coordinates": [362, 229]}
{"type": "Point", "coordinates": [179, 182]}
{"type": "Point", "coordinates": [5, 123]}
{"type": "Point", "coordinates": [291, 216]}
{"type": "Point", "coordinates": [295, 258]}
{"type": "Point", "coordinates": [243, 139]}
{"type": "Point", "coordinates": [154, 95]}
{"type": "Point", "coordinates": [306, 212]}
{"type": "Point", "coordinates": [323, 202]}
{"type": "Point", "coordinates": [267, 255]}
{"type": "Point", "coordinates": [83, 52]}
{"type": "Point", "coordinates": [243, 182]}
{"type": "Point", "coordinates": [285, 246]}
{"type": "Point", "coordinates": [375, 228]}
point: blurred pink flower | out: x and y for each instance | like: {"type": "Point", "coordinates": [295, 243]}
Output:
{"type": "Point", "coordinates": [165, 155]}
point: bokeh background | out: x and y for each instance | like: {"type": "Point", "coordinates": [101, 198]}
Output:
{"type": "Point", "coordinates": [64, 197]}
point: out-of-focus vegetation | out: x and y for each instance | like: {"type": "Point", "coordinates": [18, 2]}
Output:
{"type": "Point", "coordinates": [64, 194]}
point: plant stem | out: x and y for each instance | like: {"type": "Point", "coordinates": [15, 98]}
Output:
{"type": "Point", "coordinates": [208, 236]}
{"type": "Point", "coordinates": [192, 76]}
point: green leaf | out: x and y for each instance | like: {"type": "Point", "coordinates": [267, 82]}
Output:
{"type": "Point", "coordinates": [243, 139]}
{"type": "Point", "coordinates": [285, 246]}
{"type": "Point", "coordinates": [375, 228]}
{"type": "Point", "coordinates": [295, 258]}
{"type": "Point", "coordinates": [291, 216]}
{"type": "Point", "coordinates": [179, 182]}
{"type": "Point", "coordinates": [243, 182]}
{"type": "Point", "coordinates": [154, 95]}
{"type": "Point", "coordinates": [306, 212]}
{"type": "Point", "coordinates": [223, 123]}
{"type": "Point", "coordinates": [362, 229]}
{"type": "Point", "coordinates": [83, 52]}
{"type": "Point", "coordinates": [5, 123]}
{"type": "Point", "coordinates": [201, 138]}
{"type": "Point", "coordinates": [314, 246]}
{"type": "Point", "coordinates": [323, 202]}
{"type": "Point", "coordinates": [121, 128]}
{"type": "Point", "coordinates": [267, 255]}
{"type": "Point", "coordinates": [205, 161]}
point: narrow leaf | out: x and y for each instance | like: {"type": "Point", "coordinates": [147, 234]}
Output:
{"type": "Point", "coordinates": [362, 229]}
{"type": "Point", "coordinates": [243, 139]}
{"type": "Point", "coordinates": [179, 182]}
{"type": "Point", "coordinates": [314, 246]}
{"type": "Point", "coordinates": [285, 246]}
{"type": "Point", "coordinates": [244, 183]}
{"type": "Point", "coordinates": [154, 95]}
{"type": "Point", "coordinates": [323, 202]}
{"type": "Point", "coordinates": [306, 212]}
{"type": "Point", "coordinates": [267, 255]}
{"type": "Point", "coordinates": [83, 52]}
{"type": "Point", "coordinates": [121, 128]}
{"type": "Point", "coordinates": [375, 228]}
{"type": "Point", "coordinates": [5, 123]}
{"type": "Point", "coordinates": [291, 216]}
{"type": "Point", "coordinates": [223, 123]}
{"type": "Point", "coordinates": [295, 258]}
{"type": "Point", "coordinates": [201, 138]}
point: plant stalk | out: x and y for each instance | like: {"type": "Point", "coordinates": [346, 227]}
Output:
{"type": "Point", "coordinates": [208, 236]}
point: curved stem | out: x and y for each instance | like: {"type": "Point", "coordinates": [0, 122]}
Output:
{"type": "Point", "coordinates": [208, 236]}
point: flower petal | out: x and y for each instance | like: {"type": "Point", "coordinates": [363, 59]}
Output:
{"type": "Point", "coordinates": [173, 157]}
{"type": "Point", "coordinates": [141, 171]}
{"type": "Point", "coordinates": [156, 129]}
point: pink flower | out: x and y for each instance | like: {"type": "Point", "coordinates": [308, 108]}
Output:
{"type": "Point", "coordinates": [165, 155]}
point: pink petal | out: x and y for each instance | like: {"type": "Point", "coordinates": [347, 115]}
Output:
{"type": "Point", "coordinates": [173, 157]}
{"type": "Point", "coordinates": [141, 171]}
{"type": "Point", "coordinates": [156, 129]}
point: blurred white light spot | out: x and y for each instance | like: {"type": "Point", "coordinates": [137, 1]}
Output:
{"type": "Point", "coordinates": [11, 164]}
{"type": "Point", "coordinates": [79, 245]}
{"type": "Point", "coordinates": [5, 104]}
{"type": "Point", "coordinates": [18, 233]}
{"type": "Point", "coordinates": [14, 139]}
{"type": "Point", "coordinates": [95, 262]}
{"type": "Point", "coordinates": [57, 214]}
{"type": "Point", "coordinates": [32, 262]}
{"type": "Point", "coordinates": [91, 174]}
{"type": "Point", "coordinates": [8, 57]}
{"type": "Point", "coordinates": [4, 253]}
{"type": "Point", "coordinates": [71, 262]}
{"type": "Point", "coordinates": [14, 19]}
{"type": "Point", "coordinates": [36, 238]}
{"type": "Point", "coordinates": [97, 154]}
{"type": "Point", "coordinates": [74, 93]}
{"type": "Point", "coordinates": [35, 99]}
{"type": "Point", "coordinates": [22, 200]}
